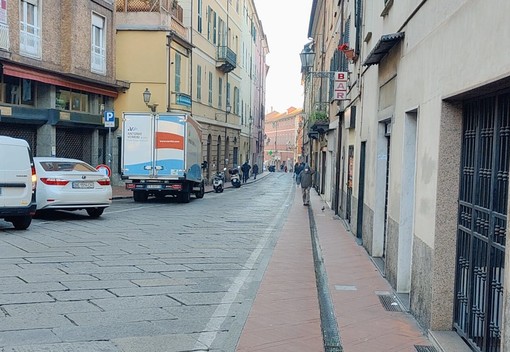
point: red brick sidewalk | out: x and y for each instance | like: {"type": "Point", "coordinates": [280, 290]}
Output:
{"type": "Point", "coordinates": [285, 314]}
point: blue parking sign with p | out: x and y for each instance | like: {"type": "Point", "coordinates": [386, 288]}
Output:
{"type": "Point", "coordinates": [109, 119]}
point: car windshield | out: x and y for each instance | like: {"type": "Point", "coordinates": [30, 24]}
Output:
{"type": "Point", "coordinates": [65, 166]}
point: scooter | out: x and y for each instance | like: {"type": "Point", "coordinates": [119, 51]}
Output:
{"type": "Point", "coordinates": [235, 177]}
{"type": "Point", "coordinates": [218, 181]}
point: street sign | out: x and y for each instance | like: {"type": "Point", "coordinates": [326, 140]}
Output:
{"type": "Point", "coordinates": [104, 169]}
{"type": "Point", "coordinates": [340, 86]}
{"type": "Point", "coordinates": [109, 119]}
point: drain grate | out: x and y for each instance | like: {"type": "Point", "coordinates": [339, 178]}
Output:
{"type": "Point", "coordinates": [389, 303]}
{"type": "Point", "coordinates": [421, 348]}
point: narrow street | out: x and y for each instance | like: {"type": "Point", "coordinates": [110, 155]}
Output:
{"type": "Point", "coordinates": [154, 274]}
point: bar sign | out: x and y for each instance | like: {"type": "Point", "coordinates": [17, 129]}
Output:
{"type": "Point", "coordinates": [340, 86]}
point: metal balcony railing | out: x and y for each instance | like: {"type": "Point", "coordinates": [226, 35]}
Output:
{"type": "Point", "coordinates": [226, 59]}
{"type": "Point", "coordinates": [170, 7]}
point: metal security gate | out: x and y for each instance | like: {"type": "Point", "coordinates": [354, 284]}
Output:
{"type": "Point", "coordinates": [75, 143]}
{"type": "Point", "coordinates": [22, 131]}
{"type": "Point", "coordinates": [482, 222]}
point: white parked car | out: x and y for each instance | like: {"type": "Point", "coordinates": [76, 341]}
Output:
{"type": "Point", "coordinates": [17, 182]}
{"type": "Point", "coordinates": [71, 184]}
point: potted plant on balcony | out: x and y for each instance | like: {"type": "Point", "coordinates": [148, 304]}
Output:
{"type": "Point", "coordinates": [319, 121]}
{"type": "Point", "coordinates": [348, 52]}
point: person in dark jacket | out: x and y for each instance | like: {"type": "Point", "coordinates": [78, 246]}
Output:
{"type": "Point", "coordinates": [246, 171]}
{"type": "Point", "coordinates": [255, 171]}
{"type": "Point", "coordinates": [298, 170]}
{"type": "Point", "coordinates": [305, 177]}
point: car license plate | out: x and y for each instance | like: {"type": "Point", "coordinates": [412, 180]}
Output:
{"type": "Point", "coordinates": [153, 186]}
{"type": "Point", "coordinates": [83, 185]}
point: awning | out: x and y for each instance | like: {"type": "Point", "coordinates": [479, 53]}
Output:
{"type": "Point", "coordinates": [45, 77]}
{"type": "Point", "coordinates": [382, 48]}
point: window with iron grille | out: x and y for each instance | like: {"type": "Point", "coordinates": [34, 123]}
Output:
{"type": "Point", "coordinates": [98, 45]}
{"type": "Point", "coordinates": [30, 29]}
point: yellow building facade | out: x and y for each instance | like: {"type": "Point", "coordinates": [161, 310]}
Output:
{"type": "Point", "coordinates": [197, 57]}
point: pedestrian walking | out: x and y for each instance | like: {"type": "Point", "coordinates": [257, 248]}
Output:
{"type": "Point", "coordinates": [300, 168]}
{"type": "Point", "coordinates": [246, 171]}
{"type": "Point", "coordinates": [305, 177]}
{"type": "Point", "coordinates": [255, 171]}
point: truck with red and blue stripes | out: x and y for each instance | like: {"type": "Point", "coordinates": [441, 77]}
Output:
{"type": "Point", "coordinates": [161, 156]}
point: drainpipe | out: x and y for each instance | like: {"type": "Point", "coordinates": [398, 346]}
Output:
{"type": "Point", "coordinates": [169, 37]}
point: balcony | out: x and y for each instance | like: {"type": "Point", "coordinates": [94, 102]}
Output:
{"type": "Point", "coordinates": [166, 13]}
{"type": "Point", "coordinates": [226, 59]}
{"type": "Point", "coordinates": [319, 122]}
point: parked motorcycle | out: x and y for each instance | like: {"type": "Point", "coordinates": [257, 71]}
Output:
{"type": "Point", "coordinates": [218, 181]}
{"type": "Point", "coordinates": [235, 177]}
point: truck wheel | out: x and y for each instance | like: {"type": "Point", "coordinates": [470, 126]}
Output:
{"type": "Point", "coordinates": [140, 196]}
{"type": "Point", "coordinates": [185, 197]}
{"type": "Point", "coordinates": [200, 194]}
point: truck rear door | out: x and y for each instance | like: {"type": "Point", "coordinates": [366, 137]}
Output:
{"type": "Point", "coordinates": [138, 145]}
{"type": "Point", "coordinates": [170, 144]}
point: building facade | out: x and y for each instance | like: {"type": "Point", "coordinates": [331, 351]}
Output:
{"type": "Point", "coordinates": [422, 154]}
{"type": "Point", "coordinates": [229, 69]}
{"type": "Point", "coordinates": [58, 76]}
{"type": "Point", "coordinates": [283, 139]}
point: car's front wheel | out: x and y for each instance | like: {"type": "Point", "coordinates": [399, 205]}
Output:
{"type": "Point", "coordinates": [95, 212]}
{"type": "Point", "coordinates": [21, 222]}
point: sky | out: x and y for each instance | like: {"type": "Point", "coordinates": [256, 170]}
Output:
{"type": "Point", "coordinates": [285, 24]}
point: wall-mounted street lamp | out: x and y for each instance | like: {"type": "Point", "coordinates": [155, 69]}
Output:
{"type": "Point", "coordinates": [147, 99]}
{"type": "Point", "coordinates": [307, 57]}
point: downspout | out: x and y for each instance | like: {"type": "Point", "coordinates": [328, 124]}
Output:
{"type": "Point", "coordinates": [169, 37]}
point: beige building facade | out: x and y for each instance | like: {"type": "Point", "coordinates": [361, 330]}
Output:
{"type": "Point", "coordinates": [58, 76]}
{"type": "Point", "coordinates": [424, 147]}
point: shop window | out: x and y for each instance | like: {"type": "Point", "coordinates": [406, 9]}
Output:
{"type": "Point", "coordinates": [72, 100]}
{"type": "Point", "coordinates": [17, 91]}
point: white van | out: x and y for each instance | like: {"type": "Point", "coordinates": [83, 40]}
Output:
{"type": "Point", "coordinates": [17, 182]}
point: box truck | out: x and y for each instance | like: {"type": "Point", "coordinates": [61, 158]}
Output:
{"type": "Point", "coordinates": [161, 155]}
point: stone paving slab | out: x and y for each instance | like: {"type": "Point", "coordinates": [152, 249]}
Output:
{"type": "Point", "coordinates": [157, 343]}
{"type": "Point", "coordinates": [99, 346]}
{"type": "Point", "coordinates": [120, 303]}
{"type": "Point", "coordinates": [113, 317]}
{"type": "Point", "coordinates": [27, 337]}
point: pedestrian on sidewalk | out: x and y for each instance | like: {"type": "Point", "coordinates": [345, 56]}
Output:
{"type": "Point", "coordinates": [298, 170]}
{"type": "Point", "coordinates": [255, 171]}
{"type": "Point", "coordinates": [246, 171]}
{"type": "Point", "coordinates": [305, 177]}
